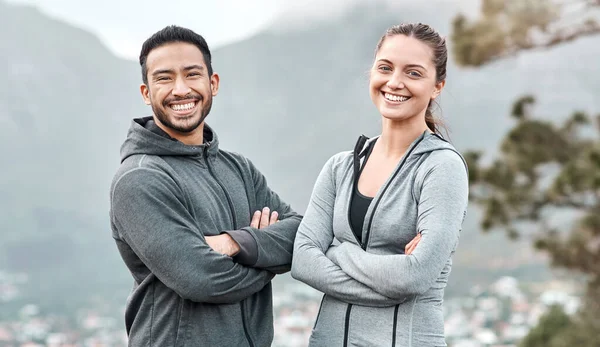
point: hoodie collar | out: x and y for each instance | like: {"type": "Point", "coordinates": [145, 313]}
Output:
{"type": "Point", "coordinates": [426, 142]}
{"type": "Point", "coordinates": [145, 137]}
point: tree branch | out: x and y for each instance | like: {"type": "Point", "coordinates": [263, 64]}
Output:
{"type": "Point", "coordinates": [555, 40]}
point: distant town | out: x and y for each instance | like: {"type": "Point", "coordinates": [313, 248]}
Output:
{"type": "Point", "coordinates": [499, 315]}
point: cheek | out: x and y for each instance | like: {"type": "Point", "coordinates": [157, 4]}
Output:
{"type": "Point", "coordinates": [423, 90]}
{"type": "Point", "coordinates": [156, 95]}
{"type": "Point", "coordinates": [374, 93]}
{"type": "Point", "coordinates": [375, 86]}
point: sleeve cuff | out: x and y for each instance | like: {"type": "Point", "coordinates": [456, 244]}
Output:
{"type": "Point", "coordinates": [248, 254]}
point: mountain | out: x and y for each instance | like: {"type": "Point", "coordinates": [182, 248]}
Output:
{"type": "Point", "coordinates": [289, 99]}
{"type": "Point", "coordinates": [64, 104]}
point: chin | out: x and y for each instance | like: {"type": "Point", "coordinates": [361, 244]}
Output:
{"type": "Point", "coordinates": [186, 125]}
{"type": "Point", "coordinates": [394, 116]}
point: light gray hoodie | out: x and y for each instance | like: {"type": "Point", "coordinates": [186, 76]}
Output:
{"type": "Point", "coordinates": [375, 295]}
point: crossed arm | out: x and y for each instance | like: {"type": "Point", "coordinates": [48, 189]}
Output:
{"type": "Point", "coordinates": [153, 221]}
{"type": "Point", "coordinates": [442, 202]}
{"type": "Point", "coordinates": [357, 276]}
{"type": "Point", "coordinates": [315, 235]}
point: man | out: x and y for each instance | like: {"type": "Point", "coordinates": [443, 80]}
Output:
{"type": "Point", "coordinates": [181, 213]}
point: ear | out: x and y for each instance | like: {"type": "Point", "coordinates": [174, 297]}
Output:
{"type": "Point", "coordinates": [214, 83]}
{"type": "Point", "coordinates": [438, 89]}
{"type": "Point", "coordinates": [145, 93]}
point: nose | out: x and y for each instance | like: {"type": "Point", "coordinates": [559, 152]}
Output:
{"type": "Point", "coordinates": [395, 82]}
{"type": "Point", "coordinates": [181, 88]}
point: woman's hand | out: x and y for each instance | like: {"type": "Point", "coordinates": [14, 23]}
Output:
{"type": "Point", "coordinates": [410, 247]}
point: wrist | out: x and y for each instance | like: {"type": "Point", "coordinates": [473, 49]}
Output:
{"type": "Point", "coordinates": [234, 247]}
{"type": "Point", "coordinates": [246, 246]}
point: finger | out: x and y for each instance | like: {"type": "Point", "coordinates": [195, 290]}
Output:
{"type": "Point", "coordinates": [274, 217]}
{"type": "Point", "coordinates": [255, 219]}
{"type": "Point", "coordinates": [409, 245]}
{"type": "Point", "coordinates": [411, 248]}
{"type": "Point", "coordinates": [264, 219]}
{"type": "Point", "coordinates": [414, 244]}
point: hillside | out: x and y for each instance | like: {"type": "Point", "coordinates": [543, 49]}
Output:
{"type": "Point", "coordinates": [289, 100]}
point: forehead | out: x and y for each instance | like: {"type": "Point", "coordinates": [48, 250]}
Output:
{"type": "Point", "coordinates": [402, 49]}
{"type": "Point", "coordinates": [174, 56]}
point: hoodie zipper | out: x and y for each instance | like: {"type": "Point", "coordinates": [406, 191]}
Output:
{"type": "Point", "coordinates": [229, 202]}
{"type": "Point", "coordinates": [367, 234]}
{"type": "Point", "coordinates": [232, 211]}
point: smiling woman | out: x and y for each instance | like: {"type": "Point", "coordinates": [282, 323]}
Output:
{"type": "Point", "coordinates": [384, 220]}
{"type": "Point", "coordinates": [413, 63]}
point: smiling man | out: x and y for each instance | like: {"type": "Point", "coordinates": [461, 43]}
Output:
{"type": "Point", "coordinates": [198, 227]}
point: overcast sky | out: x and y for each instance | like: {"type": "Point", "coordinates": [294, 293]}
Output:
{"type": "Point", "coordinates": [124, 24]}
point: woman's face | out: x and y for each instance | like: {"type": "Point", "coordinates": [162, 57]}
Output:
{"type": "Point", "coordinates": [403, 78]}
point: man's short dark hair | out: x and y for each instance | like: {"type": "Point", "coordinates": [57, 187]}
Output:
{"type": "Point", "coordinates": [171, 34]}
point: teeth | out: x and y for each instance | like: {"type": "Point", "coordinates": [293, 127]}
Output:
{"type": "Point", "coordinates": [183, 107]}
{"type": "Point", "coordinates": [392, 97]}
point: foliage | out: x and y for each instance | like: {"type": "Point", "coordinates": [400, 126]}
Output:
{"type": "Point", "coordinates": [507, 27]}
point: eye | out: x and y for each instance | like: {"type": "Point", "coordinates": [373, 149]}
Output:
{"type": "Point", "coordinates": [162, 78]}
{"type": "Point", "coordinates": [414, 73]}
{"type": "Point", "coordinates": [384, 68]}
{"type": "Point", "coordinates": [193, 74]}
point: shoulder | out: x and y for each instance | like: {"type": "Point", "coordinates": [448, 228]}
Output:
{"type": "Point", "coordinates": [444, 168]}
{"type": "Point", "coordinates": [339, 161]}
{"type": "Point", "coordinates": [443, 165]}
{"type": "Point", "coordinates": [141, 170]}
{"type": "Point", "coordinates": [448, 158]}
{"type": "Point", "coordinates": [232, 155]}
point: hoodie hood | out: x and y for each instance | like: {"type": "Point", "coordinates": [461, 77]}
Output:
{"type": "Point", "coordinates": [145, 137]}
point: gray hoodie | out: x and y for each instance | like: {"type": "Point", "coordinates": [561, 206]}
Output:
{"type": "Point", "coordinates": [165, 198]}
{"type": "Point", "coordinates": [375, 295]}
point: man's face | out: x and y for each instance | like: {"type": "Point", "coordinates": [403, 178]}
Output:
{"type": "Point", "coordinates": [179, 89]}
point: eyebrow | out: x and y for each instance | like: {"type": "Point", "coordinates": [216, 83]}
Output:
{"type": "Point", "coordinates": [409, 65]}
{"type": "Point", "coordinates": [193, 67]}
{"type": "Point", "coordinates": [170, 71]}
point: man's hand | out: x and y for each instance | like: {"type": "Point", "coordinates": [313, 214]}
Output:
{"type": "Point", "coordinates": [262, 220]}
{"type": "Point", "coordinates": [223, 244]}
{"type": "Point", "coordinates": [410, 247]}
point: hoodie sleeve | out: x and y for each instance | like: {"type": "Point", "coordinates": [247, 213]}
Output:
{"type": "Point", "coordinates": [151, 218]}
{"type": "Point", "coordinates": [441, 208]}
{"type": "Point", "coordinates": [315, 235]}
{"type": "Point", "coordinates": [268, 248]}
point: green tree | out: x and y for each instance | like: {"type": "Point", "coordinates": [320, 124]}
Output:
{"type": "Point", "coordinates": [506, 27]}
{"type": "Point", "coordinates": [548, 332]}
{"type": "Point", "coordinates": [542, 168]}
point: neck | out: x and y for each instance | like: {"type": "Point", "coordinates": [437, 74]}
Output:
{"type": "Point", "coordinates": [397, 136]}
{"type": "Point", "coordinates": [193, 138]}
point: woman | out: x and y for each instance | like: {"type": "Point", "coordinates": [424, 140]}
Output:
{"type": "Point", "coordinates": [354, 243]}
